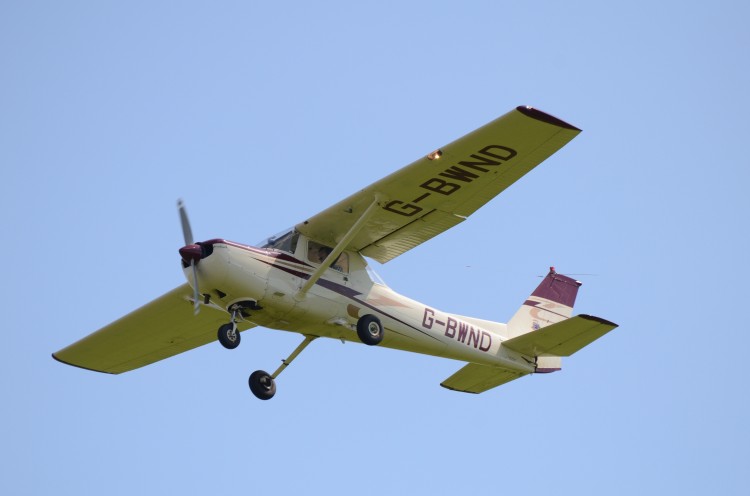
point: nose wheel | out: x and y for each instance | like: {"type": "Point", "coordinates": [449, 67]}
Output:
{"type": "Point", "coordinates": [229, 336]}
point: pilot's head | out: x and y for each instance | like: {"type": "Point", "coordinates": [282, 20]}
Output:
{"type": "Point", "coordinates": [323, 253]}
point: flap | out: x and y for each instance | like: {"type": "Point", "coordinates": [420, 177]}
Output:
{"type": "Point", "coordinates": [160, 329]}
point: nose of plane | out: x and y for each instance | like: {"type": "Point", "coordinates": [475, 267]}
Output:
{"type": "Point", "coordinates": [191, 253]}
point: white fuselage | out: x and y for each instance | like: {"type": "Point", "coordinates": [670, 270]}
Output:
{"type": "Point", "coordinates": [331, 308]}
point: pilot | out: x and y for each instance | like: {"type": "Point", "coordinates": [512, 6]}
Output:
{"type": "Point", "coordinates": [323, 253]}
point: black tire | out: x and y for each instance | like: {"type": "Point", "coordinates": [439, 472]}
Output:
{"type": "Point", "coordinates": [262, 385]}
{"type": "Point", "coordinates": [229, 337]}
{"type": "Point", "coordinates": [370, 330]}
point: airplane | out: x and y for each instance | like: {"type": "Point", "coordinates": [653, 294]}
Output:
{"type": "Point", "coordinates": [314, 279]}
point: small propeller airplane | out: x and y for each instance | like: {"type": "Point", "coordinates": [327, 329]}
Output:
{"type": "Point", "coordinates": [313, 279]}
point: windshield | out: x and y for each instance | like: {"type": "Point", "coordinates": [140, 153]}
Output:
{"type": "Point", "coordinates": [285, 241]}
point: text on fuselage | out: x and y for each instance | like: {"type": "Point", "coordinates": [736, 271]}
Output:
{"type": "Point", "coordinates": [460, 331]}
{"type": "Point", "coordinates": [450, 180]}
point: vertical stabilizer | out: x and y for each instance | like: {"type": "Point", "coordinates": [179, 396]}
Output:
{"type": "Point", "coordinates": [551, 302]}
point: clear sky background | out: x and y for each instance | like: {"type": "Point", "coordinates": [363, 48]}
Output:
{"type": "Point", "coordinates": [261, 114]}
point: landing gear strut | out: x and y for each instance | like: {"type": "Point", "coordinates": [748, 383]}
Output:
{"type": "Point", "coordinates": [263, 385]}
{"type": "Point", "coordinates": [228, 334]}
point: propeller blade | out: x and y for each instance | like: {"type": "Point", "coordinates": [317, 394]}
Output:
{"type": "Point", "coordinates": [196, 293]}
{"type": "Point", "coordinates": [188, 234]}
{"type": "Point", "coordinates": [186, 231]}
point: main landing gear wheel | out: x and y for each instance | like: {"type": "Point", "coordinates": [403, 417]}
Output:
{"type": "Point", "coordinates": [262, 385]}
{"type": "Point", "coordinates": [370, 330]}
{"type": "Point", "coordinates": [229, 336]}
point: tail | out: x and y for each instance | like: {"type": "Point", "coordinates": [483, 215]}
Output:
{"type": "Point", "coordinates": [550, 306]}
{"type": "Point", "coordinates": [551, 302]}
{"type": "Point", "coordinates": [542, 329]}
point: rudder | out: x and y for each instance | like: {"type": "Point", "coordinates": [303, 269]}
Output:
{"type": "Point", "coordinates": [551, 302]}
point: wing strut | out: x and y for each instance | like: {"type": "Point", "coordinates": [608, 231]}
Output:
{"type": "Point", "coordinates": [290, 358]}
{"type": "Point", "coordinates": [341, 246]}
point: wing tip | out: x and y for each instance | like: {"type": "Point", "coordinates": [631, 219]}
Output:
{"type": "Point", "coordinates": [545, 117]}
{"type": "Point", "coordinates": [458, 390]}
{"type": "Point", "coordinates": [79, 366]}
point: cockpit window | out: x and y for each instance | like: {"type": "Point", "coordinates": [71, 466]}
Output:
{"type": "Point", "coordinates": [317, 253]}
{"type": "Point", "coordinates": [286, 241]}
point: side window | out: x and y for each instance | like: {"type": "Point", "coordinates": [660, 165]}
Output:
{"type": "Point", "coordinates": [342, 263]}
{"type": "Point", "coordinates": [317, 253]}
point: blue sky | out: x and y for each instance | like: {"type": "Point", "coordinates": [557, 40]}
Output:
{"type": "Point", "coordinates": [260, 115]}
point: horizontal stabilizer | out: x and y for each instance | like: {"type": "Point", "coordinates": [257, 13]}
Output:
{"type": "Point", "coordinates": [475, 378]}
{"type": "Point", "coordinates": [160, 329]}
{"type": "Point", "coordinates": [561, 339]}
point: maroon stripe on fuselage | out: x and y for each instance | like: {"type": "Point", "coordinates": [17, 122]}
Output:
{"type": "Point", "coordinates": [330, 285]}
{"type": "Point", "coordinates": [260, 251]}
{"type": "Point", "coordinates": [347, 292]}
{"type": "Point", "coordinates": [297, 273]}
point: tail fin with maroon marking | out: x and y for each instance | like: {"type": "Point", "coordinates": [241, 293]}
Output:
{"type": "Point", "coordinates": [551, 302]}
{"type": "Point", "coordinates": [542, 329]}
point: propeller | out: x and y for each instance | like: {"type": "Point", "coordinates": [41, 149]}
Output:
{"type": "Point", "coordinates": [189, 251]}
{"type": "Point", "coordinates": [186, 231]}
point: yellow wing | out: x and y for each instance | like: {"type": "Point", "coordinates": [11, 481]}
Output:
{"type": "Point", "coordinates": [440, 190]}
{"type": "Point", "coordinates": [157, 330]}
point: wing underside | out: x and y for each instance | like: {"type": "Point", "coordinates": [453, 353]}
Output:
{"type": "Point", "coordinates": [441, 189]}
{"type": "Point", "coordinates": [158, 330]}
